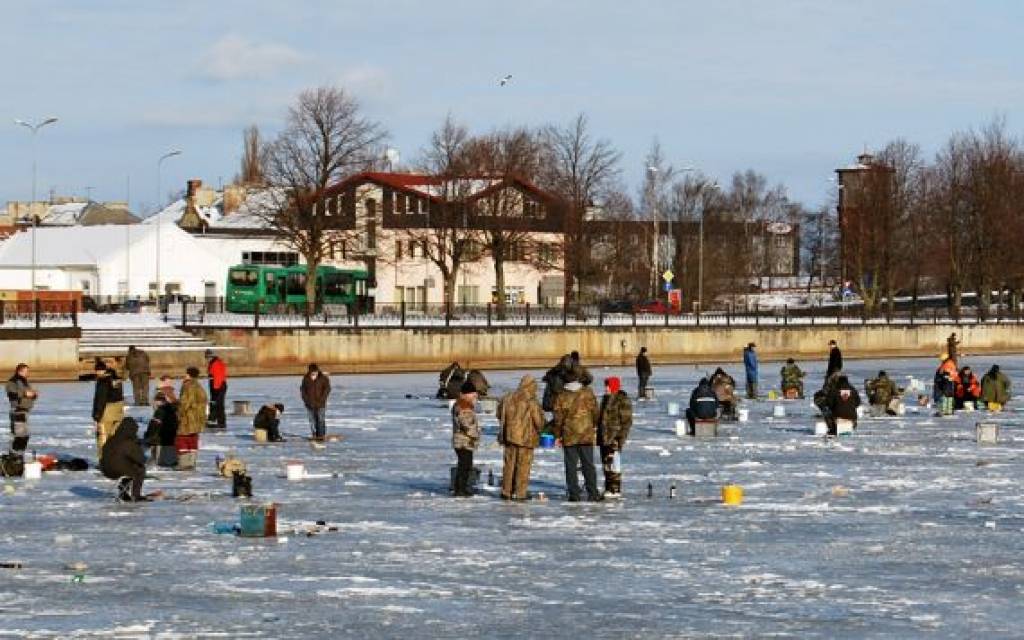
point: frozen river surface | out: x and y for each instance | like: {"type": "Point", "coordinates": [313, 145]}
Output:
{"type": "Point", "coordinates": [906, 529]}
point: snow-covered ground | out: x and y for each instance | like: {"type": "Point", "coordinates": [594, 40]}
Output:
{"type": "Point", "coordinates": [908, 528]}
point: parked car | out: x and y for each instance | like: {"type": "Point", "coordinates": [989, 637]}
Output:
{"type": "Point", "coordinates": [659, 307]}
{"type": "Point", "coordinates": [616, 306]}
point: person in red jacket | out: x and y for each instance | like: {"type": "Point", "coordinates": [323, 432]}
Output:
{"type": "Point", "coordinates": [968, 389]}
{"type": "Point", "coordinates": [218, 373]}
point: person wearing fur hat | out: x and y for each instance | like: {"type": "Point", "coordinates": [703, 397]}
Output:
{"type": "Point", "coordinates": [465, 437]}
{"type": "Point", "coordinates": [614, 421]}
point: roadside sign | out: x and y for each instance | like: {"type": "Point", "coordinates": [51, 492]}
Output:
{"type": "Point", "coordinates": [667, 276]}
{"type": "Point", "coordinates": [668, 287]}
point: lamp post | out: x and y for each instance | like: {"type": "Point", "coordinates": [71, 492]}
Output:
{"type": "Point", "coordinates": [700, 248]}
{"type": "Point", "coordinates": [34, 128]}
{"type": "Point", "coordinates": [159, 222]}
{"type": "Point", "coordinates": [652, 179]}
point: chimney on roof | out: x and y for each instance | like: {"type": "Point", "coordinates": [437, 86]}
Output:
{"type": "Point", "coordinates": [866, 159]}
{"type": "Point", "coordinates": [192, 187]}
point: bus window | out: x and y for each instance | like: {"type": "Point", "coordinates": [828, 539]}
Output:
{"type": "Point", "coordinates": [338, 284]}
{"type": "Point", "coordinates": [244, 277]}
{"type": "Point", "coordinates": [296, 284]}
{"type": "Point", "coordinates": [361, 287]}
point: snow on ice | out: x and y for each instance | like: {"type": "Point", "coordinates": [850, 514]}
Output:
{"type": "Point", "coordinates": [904, 529]}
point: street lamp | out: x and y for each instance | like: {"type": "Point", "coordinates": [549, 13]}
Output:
{"type": "Point", "coordinates": [700, 248]}
{"type": "Point", "coordinates": [652, 179]}
{"type": "Point", "coordinates": [34, 128]}
{"type": "Point", "coordinates": [159, 222]}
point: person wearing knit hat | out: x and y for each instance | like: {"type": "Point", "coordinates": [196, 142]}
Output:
{"type": "Point", "coordinates": [465, 437]}
{"type": "Point", "coordinates": [614, 420]}
{"type": "Point", "coordinates": [107, 404]}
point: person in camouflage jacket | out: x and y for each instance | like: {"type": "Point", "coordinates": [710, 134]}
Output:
{"type": "Point", "coordinates": [575, 425]}
{"type": "Point", "coordinates": [520, 421]}
{"type": "Point", "coordinates": [792, 378]}
{"type": "Point", "coordinates": [615, 418]}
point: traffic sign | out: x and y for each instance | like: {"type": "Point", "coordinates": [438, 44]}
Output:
{"type": "Point", "coordinates": [668, 275]}
{"type": "Point", "coordinates": [668, 286]}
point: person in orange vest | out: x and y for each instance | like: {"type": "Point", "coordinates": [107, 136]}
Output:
{"type": "Point", "coordinates": [968, 389]}
{"type": "Point", "coordinates": [218, 373]}
{"type": "Point", "coordinates": [946, 380]}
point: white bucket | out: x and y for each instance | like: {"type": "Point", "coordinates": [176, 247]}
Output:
{"type": "Point", "coordinates": [844, 426]}
{"type": "Point", "coordinates": [743, 414]}
{"type": "Point", "coordinates": [33, 470]}
{"type": "Point", "coordinates": [673, 408]}
{"type": "Point", "coordinates": [295, 471]}
{"type": "Point", "coordinates": [681, 428]}
{"type": "Point", "coordinates": [451, 404]}
{"type": "Point", "coordinates": [860, 412]}
{"type": "Point", "coordinates": [968, 406]}
{"type": "Point", "coordinates": [779, 411]}
{"type": "Point", "coordinates": [820, 428]}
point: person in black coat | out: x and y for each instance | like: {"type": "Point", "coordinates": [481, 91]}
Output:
{"type": "Point", "coordinates": [161, 432]}
{"type": "Point", "coordinates": [703, 404]}
{"type": "Point", "coordinates": [643, 372]}
{"type": "Point", "coordinates": [835, 359]}
{"type": "Point", "coordinates": [268, 418]}
{"type": "Point", "coordinates": [123, 458]}
{"type": "Point", "coordinates": [843, 401]}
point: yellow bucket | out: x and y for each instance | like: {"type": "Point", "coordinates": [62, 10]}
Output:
{"type": "Point", "coordinates": [772, 395]}
{"type": "Point", "coordinates": [995, 407]}
{"type": "Point", "coordinates": [732, 495]}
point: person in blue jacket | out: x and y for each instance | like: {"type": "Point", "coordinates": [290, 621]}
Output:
{"type": "Point", "coordinates": [750, 364]}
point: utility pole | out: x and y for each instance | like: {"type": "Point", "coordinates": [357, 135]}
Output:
{"type": "Point", "coordinates": [34, 128]}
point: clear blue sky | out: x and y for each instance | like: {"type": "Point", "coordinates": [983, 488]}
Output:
{"type": "Point", "coordinates": [791, 89]}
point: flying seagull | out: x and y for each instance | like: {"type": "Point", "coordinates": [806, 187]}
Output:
{"type": "Point", "coordinates": [505, 80]}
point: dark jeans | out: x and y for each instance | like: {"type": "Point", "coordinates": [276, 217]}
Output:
{"type": "Point", "coordinates": [575, 456]}
{"type": "Point", "coordinates": [140, 389]}
{"type": "Point", "coordinates": [218, 398]}
{"type": "Point", "coordinates": [317, 422]}
{"type": "Point", "coordinates": [642, 388]}
{"type": "Point", "coordinates": [463, 471]}
{"type": "Point", "coordinates": [751, 389]}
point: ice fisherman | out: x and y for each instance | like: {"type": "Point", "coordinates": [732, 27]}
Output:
{"type": "Point", "coordinates": [995, 389]}
{"type": "Point", "coordinates": [703, 404]}
{"type": "Point", "coordinates": [520, 421]}
{"type": "Point", "coordinates": [750, 366]}
{"type": "Point", "coordinates": [22, 397]}
{"type": "Point", "coordinates": [124, 460]}
{"type": "Point", "coordinates": [268, 418]}
{"type": "Point", "coordinates": [136, 364]}
{"type": "Point", "coordinates": [465, 437]}
{"type": "Point", "coordinates": [835, 359]}
{"type": "Point", "coordinates": [643, 372]}
{"type": "Point", "coordinates": [192, 407]}
{"type": "Point", "coordinates": [575, 426]}
{"type": "Point", "coordinates": [315, 389]}
{"type": "Point", "coordinates": [107, 403]}
{"type": "Point", "coordinates": [792, 379]}
{"type": "Point", "coordinates": [614, 420]}
{"type": "Point", "coordinates": [217, 371]}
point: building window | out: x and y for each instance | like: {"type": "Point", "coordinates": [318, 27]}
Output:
{"type": "Point", "coordinates": [400, 203]}
{"type": "Point", "coordinates": [371, 234]}
{"type": "Point", "coordinates": [634, 240]}
{"type": "Point", "coordinates": [273, 258]}
{"type": "Point", "coordinates": [398, 250]}
{"type": "Point", "coordinates": [469, 294]}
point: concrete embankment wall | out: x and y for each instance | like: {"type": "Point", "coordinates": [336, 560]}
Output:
{"type": "Point", "coordinates": [359, 350]}
{"type": "Point", "coordinates": [51, 353]}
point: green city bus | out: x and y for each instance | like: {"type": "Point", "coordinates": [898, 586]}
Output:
{"type": "Point", "coordinates": [283, 289]}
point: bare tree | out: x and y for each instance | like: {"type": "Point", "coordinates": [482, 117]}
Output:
{"type": "Point", "coordinates": [254, 157]}
{"type": "Point", "coordinates": [508, 210]}
{"type": "Point", "coordinates": [448, 239]}
{"type": "Point", "coordinates": [326, 138]}
{"type": "Point", "coordinates": [577, 168]}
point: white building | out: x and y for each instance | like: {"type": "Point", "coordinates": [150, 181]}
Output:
{"type": "Point", "coordinates": [113, 260]}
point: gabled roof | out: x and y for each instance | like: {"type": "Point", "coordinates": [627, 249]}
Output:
{"type": "Point", "coordinates": [435, 187]}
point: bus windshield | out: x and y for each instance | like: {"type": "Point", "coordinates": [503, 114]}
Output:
{"type": "Point", "coordinates": [243, 277]}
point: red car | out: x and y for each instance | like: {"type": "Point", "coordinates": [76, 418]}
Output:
{"type": "Point", "coordinates": [659, 307]}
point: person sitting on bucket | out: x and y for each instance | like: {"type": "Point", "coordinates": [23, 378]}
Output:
{"type": "Point", "coordinates": [995, 388]}
{"type": "Point", "coordinates": [122, 457]}
{"type": "Point", "coordinates": [703, 404]}
{"type": "Point", "coordinates": [843, 401]}
{"type": "Point", "coordinates": [725, 389]}
{"type": "Point", "coordinates": [161, 432]}
{"type": "Point", "coordinates": [792, 379]}
{"type": "Point", "coordinates": [268, 418]}
{"type": "Point", "coordinates": [883, 395]}
{"type": "Point", "coordinates": [968, 389]}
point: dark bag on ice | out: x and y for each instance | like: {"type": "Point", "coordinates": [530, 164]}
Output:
{"type": "Point", "coordinates": [12, 465]}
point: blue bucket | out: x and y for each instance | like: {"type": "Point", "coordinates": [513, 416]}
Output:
{"type": "Point", "coordinates": [547, 441]}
